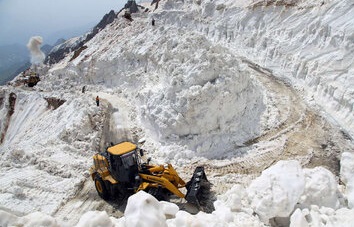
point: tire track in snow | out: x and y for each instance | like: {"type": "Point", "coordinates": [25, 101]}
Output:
{"type": "Point", "coordinates": [85, 200]}
{"type": "Point", "coordinates": [291, 109]}
{"type": "Point", "coordinates": [116, 128]}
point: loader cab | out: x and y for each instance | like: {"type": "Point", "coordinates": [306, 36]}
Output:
{"type": "Point", "coordinates": [124, 162]}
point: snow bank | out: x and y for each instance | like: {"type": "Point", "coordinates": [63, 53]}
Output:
{"type": "Point", "coordinates": [286, 186]}
{"type": "Point", "coordinates": [208, 101]}
{"type": "Point", "coordinates": [347, 176]}
{"type": "Point", "coordinates": [276, 192]}
{"type": "Point", "coordinates": [97, 219]}
{"type": "Point", "coordinates": [31, 220]}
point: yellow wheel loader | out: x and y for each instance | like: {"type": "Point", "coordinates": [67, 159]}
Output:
{"type": "Point", "coordinates": [119, 172]}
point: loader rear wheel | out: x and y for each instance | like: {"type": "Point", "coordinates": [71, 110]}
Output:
{"type": "Point", "coordinates": [101, 188]}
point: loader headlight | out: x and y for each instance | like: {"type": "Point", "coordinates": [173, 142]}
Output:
{"type": "Point", "coordinates": [137, 182]}
{"type": "Point", "coordinates": [137, 179]}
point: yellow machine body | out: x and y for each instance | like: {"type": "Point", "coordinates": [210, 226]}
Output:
{"type": "Point", "coordinates": [119, 171]}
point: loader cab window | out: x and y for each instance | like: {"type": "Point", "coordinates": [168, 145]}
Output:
{"type": "Point", "coordinates": [129, 159]}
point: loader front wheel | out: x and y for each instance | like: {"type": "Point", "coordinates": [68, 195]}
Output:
{"type": "Point", "coordinates": [159, 194]}
{"type": "Point", "coordinates": [101, 188]}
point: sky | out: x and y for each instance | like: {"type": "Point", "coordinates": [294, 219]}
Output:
{"type": "Point", "coordinates": [22, 19]}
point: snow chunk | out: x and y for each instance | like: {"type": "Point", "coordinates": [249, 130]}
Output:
{"type": "Point", "coordinates": [298, 219]}
{"type": "Point", "coordinates": [347, 176]}
{"type": "Point", "coordinates": [6, 218]}
{"type": "Point", "coordinates": [144, 210]}
{"type": "Point", "coordinates": [322, 217]}
{"type": "Point", "coordinates": [276, 192]}
{"type": "Point", "coordinates": [233, 197]}
{"type": "Point", "coordinates": [169, 209]}
{"type": "Point", "coordinates": [223, 212]}
{"type": "Point", "coordinates": [347, 167]}
{"type": "Point", "coordinates": [222, 216]}
{"type": "Point", "coordinates": [320, 188]}
{"type": "Point", "coordinates": [95, 219]}
{"type": "Point", "coordinates": [183, 219]}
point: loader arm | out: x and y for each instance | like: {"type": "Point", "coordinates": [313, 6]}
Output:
{"type": "Point", "coordinates": [156, 181]}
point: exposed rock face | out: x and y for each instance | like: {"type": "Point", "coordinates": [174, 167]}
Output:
{"type": "Point", "coordinates": [10, 110]}
{"type": "Point", "coordinates": [107, 19]}
{"type": "Point", "coordinates": [77, 43]}
{"type": "Point", "coordinates": [131, 6]}
{"type": "Point", "coordinates": [54, 103]}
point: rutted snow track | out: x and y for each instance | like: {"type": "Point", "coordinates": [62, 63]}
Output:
{"type": "Point", "coordinates": [85, 200]}
{"type": "Point", "coordinates": [115, 129]}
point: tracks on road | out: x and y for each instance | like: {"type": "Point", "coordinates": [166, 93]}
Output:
{"type": "Point", "coordinates": [86, 200]}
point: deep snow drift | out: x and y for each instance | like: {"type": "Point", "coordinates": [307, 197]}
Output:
{"type": "Point", "coordinates": [260, 93]}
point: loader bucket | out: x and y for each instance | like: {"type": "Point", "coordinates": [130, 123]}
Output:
{"type": "Point", "coordinates": [198, 187]}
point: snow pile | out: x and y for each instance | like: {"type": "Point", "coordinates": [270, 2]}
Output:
{"type": "Point", "coordinates": [276, 192]}
{"type": "Point", "coordinates": [210, 104]}
{"type": "Point", "coordinates": [98, 219]}
{"type": "Point", "coordinates": [144, 210]}
{"type": "Point", "coordinates": [286, 186]}
{"type": "Point", "coordinates": [203, 98]}
{"type": "Point", "coordinates": [31, 220]}
{"type": "Point", "coordinates": [312, 193]}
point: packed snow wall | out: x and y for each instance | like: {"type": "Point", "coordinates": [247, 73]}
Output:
{"type": "Point", "coordinates": [307, 43]}
{"type": "Point", "coordinates": [187, 90]}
